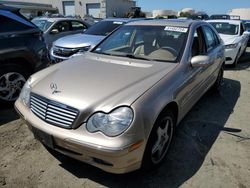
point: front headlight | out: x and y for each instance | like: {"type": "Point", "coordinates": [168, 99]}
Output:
{"type": "Point", "coordinates": [111, 124]}
{"type": "Point", "coordinates": [231, 46]}
{"type": "Point", "coordinates": [25, 93]}
{"type": "Point", "coordinates": [83, 49]}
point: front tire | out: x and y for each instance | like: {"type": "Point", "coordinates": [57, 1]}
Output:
{"type": "Point", "coordinates": [159, 141]}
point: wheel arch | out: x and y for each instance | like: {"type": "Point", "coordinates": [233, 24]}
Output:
{"type": "Point", "coordinates": [171, 106]}
{"type": "Point", "coordinates": [18, 61]}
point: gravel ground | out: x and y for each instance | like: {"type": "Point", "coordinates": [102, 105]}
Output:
{"type": "Point", "coordinates": [210, 149]}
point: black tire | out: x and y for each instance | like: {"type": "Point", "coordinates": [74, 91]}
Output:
{"type": "Point", "coordinates": [244, 52]}
{"type": "Point", "coordinates": [217, 85]}
{"type": "Point", "coordinates": [234, 65]}
{"type": "Point", "coordinates": [14, 71]}
{"type": "Point", "coordinates": [149, 161]}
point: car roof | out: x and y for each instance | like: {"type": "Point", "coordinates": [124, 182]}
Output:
{"type": "Point", "coordinates": [8, 8]}
{"type": "Point", "coordinates": [55, 19]}
{"type": "Point", "coordinates": [228, 21]}
{"type": "Point", "coordinates": [122, 19]}
{"type": "Point", "coordinates": [164, 22]}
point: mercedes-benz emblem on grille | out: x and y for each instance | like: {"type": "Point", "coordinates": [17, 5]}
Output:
{"type": "Point", "coordinates": [53, 87]}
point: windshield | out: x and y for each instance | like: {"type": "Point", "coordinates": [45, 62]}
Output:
{"type": "Point", "coordinates": [42, 24]}
{"type": "Point", "coordinates": [103, 27]}
{"type": "Point", "coordinates": [217, 17]}
{"type": "Point", "coordinates": [153, 43]}
{"type": "Point", "coordinates": [226, 28]}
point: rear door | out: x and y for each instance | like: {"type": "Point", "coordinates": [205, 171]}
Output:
{"type": "Point", "coordinates": [215, 51]}
{"type": "Point", "coordinates": [194, 78]}
{"type": "Point", "coordinates": [197, 80]}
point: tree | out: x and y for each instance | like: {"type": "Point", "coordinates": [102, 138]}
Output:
{"type": "Point", "coordinates": [185, 14]}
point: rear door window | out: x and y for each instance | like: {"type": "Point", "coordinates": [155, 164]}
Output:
{"type": "Point", "coordinates": [77, 26]}
{"type": "Point", "coordinates": [211, 41]}
{"type": "Point", "coordinates": [199, 44]}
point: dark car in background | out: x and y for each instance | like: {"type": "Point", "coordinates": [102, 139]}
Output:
{"type": "Point", "coordinates": [22, 52]}
{"type": "Point", "coordinates": [220, 16]}
{"type": "Point", "coordinates": [56, 27]}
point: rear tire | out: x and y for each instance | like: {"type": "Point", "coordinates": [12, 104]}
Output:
{"type": "Point", "coordinates": [12, 79]}
{"type": "Point", "coordinates": [217, 85]}
{"type": "Point", "coordinates": [234, 65]}
{"type": "Point", "coordinates": [159, 141]}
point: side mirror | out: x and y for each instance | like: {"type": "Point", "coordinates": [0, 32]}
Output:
{"type": "Point", "coordinates": [84, 30]}
{"type": "Point", "coordinates": [54, 31]}
{"type": "Point", "coordinates": [200, 61]}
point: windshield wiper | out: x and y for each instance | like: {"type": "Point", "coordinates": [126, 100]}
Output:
{"type": "Point", "coordinates": [132, 56]}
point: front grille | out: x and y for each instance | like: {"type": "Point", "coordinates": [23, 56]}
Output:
{"type": "Point", "coordinates": [53, 112]}
{"type": "Point", "coordinates": [67, 52]}
{"type": "Point", "coordinates": [64, 52]}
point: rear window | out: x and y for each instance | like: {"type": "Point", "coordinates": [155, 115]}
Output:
{"type": "Point", "coordinates": [103, 28]}
{"type": "Point", "coordinates": [77, 26]}
{"type": "Point", "coordinates": [12, 22]}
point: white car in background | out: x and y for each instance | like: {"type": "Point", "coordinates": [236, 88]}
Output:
{"type": "Point", "coordinates": [233, 34]}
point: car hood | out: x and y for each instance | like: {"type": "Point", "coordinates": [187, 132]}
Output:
{"type": "Point", "coordinates": [99, 83]}
{"type": "Point", "coordinates": [78, 41]}
{"type": "Point", "coordinates": [228, 39]}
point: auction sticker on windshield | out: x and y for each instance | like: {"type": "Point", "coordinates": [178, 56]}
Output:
{"type": "Point", "coordinates": [179, 29]}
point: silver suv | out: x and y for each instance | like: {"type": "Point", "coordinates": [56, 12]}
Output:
{"type": "Point", "coordinates": [74, 45]}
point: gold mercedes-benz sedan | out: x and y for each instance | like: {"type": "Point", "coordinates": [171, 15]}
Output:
{"type": "Point", "coordinates": [117, 106]}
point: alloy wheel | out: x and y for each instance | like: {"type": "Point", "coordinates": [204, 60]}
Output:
{"type": "Point", "coordinates": [11, 85]}
{"type": "Point", "coordinates": [164, 135]}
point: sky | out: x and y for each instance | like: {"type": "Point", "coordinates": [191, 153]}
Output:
{"type": "Point", "coordinates": [209, 6]}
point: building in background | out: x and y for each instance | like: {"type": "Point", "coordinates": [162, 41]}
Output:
{"type": "Point", "coordinates": [186, 11]}
{"type": "Point", "coordinates": [32, 8]}
{"type": "Point", "coordinates": [244, 13]}
{"type": "Point", "coordinates": [163, 13]}
{"type": "Point", "coordinates": [95, 8]}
